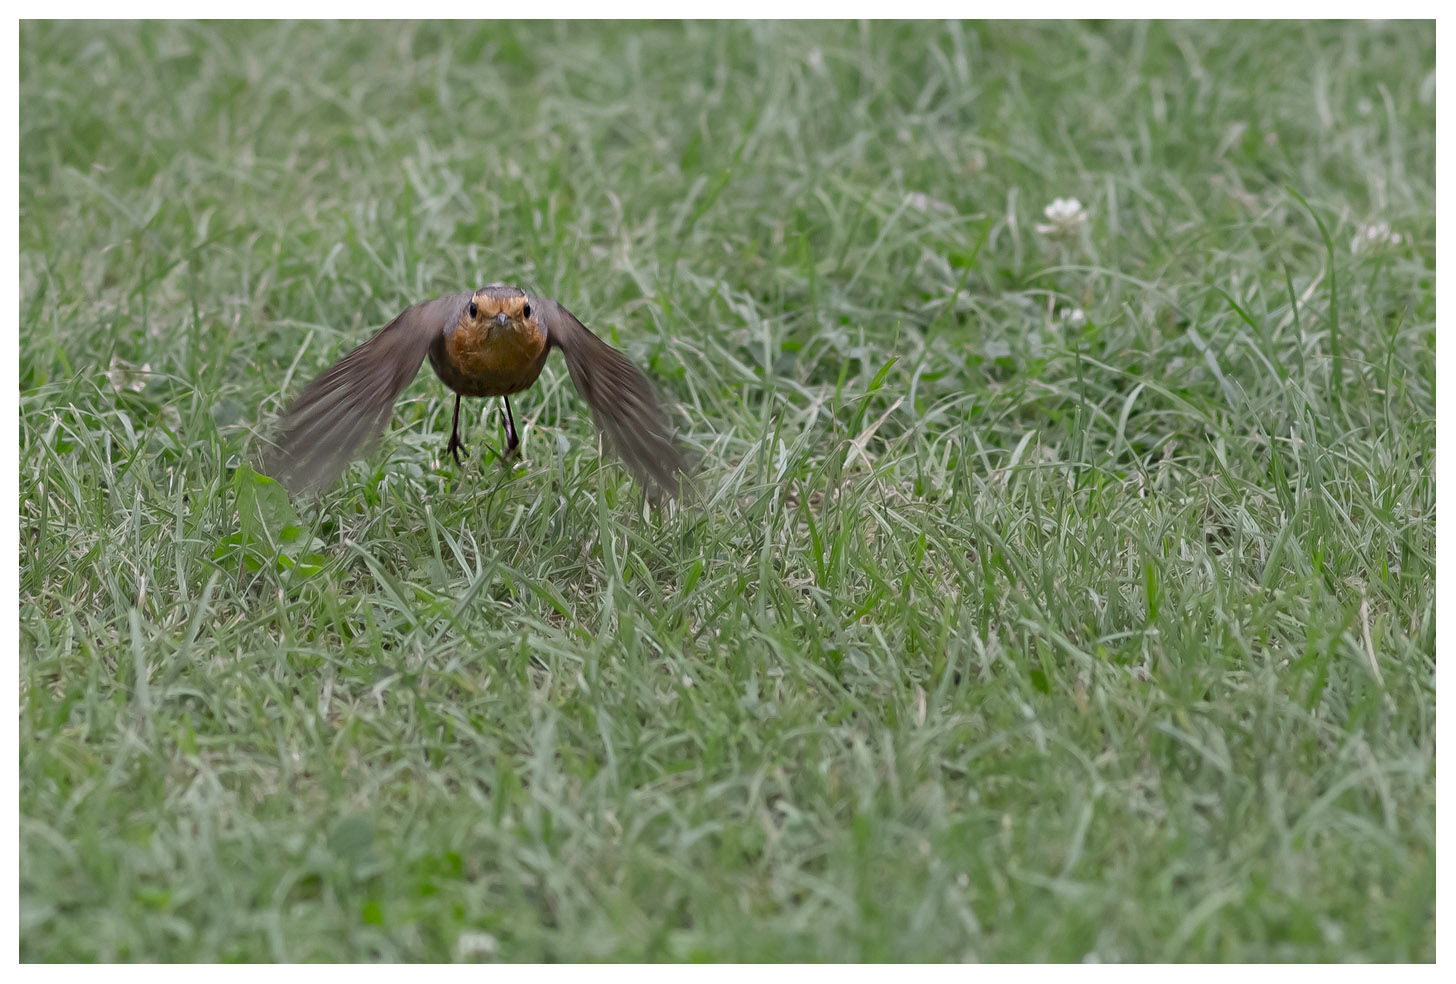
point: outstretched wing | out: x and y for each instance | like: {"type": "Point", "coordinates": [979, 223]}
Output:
{"type": "Point", "coordinates": [620, 397]}
{"type": "Point", "coordinates": [345, 409]}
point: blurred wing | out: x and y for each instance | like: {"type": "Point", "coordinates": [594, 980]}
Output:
{"type": "Point", "coordinates": [620, 397]}
{"type": "Point", "coordinates": [345, 410]}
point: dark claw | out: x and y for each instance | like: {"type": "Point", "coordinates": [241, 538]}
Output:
{"type": "Point", "coordinates": [454, 448]}
{"type": "Point", "coordinates": [456, 445]}
{"type": "Point", "coordinates": [513, 442]}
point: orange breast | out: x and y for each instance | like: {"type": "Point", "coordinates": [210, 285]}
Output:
{"type": "Point", "coordinates": [490, 360]}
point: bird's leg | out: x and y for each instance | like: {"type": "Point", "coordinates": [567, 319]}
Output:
{"type": "Point", "coordinates": [512, 440]}
{"type": "Point", "coordinates": [456, 445]}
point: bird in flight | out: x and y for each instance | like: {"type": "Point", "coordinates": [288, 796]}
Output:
{"type": "Point", "coordinates": [489, 342]}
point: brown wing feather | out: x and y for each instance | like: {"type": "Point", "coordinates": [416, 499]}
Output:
{"type": "Point", "coordinates": [620, 397]}
{"type": "Point", "coordinates": [345, 410]}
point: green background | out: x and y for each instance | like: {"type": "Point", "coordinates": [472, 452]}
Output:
{"type": "Point", "coordinates": [995, 634]}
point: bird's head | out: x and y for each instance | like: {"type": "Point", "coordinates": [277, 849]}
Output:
{"type": "Point", "coordinates": [498, 306]}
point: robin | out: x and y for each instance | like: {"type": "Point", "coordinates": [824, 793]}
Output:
{"type": "Point", "coordinates": [489, 342]}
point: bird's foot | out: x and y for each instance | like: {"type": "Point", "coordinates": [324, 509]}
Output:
{"type": "Point", "coordinates": [513, 441]}
{"type": "Point", "coordinates": [455, 447]}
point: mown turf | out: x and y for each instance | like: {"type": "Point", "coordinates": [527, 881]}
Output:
{"type": "Point", "coordinates": [996, 634]}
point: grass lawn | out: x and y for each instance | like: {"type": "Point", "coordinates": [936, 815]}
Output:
{"type": "Point", "coordinates": [1058, 589]}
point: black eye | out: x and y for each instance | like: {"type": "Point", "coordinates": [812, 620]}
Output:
{"type": "Point", "coordinates": [473, 309]}
{"type": "Point", "coordinates": [526, 311]}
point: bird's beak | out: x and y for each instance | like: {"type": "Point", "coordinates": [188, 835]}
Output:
{"type": "Point", "coordinates": [501, 319]}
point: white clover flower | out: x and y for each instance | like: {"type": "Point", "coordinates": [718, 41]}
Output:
{"type": "Point", "coordinates": [1374, 235]}
{"type": "Point", "coordinates": [123, 375]}
{"type": "Point", "coordinates": [924, 203]}
{"type": "Point", "coordinates": [1074, 317]}
{"type": "Point", "coordinates": [1065, 215]}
